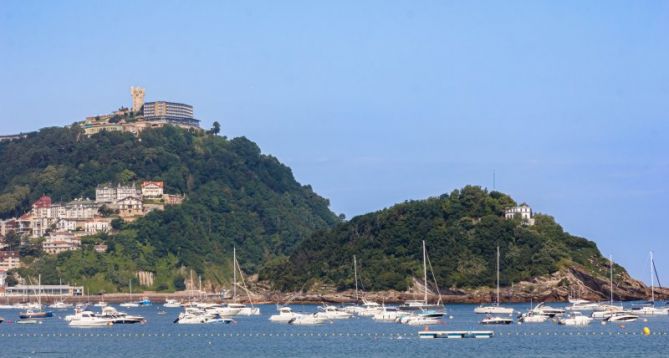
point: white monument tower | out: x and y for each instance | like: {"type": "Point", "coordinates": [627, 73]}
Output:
{"type": "Point", "coordinates": [137, 98]}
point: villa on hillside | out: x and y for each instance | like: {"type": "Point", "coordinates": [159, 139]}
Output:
{"type": "Point", "coordinates": [523, 211]}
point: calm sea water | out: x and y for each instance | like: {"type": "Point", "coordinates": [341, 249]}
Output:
{"type": "Point", "coordinates": [357, 337]}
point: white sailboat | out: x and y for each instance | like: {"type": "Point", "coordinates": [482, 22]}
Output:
{"type": "Point", "coordinates": [244, 310]}
{"type": "Point", "coordinates": [130, 304]}
{"type": "Point", "coordinates": [496, 308]}
{"type": "Point", "coordinates": [650, 309]}
{"type": "Point", "coordinates": [423, 305]}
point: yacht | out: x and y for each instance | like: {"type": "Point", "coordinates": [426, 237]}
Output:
{"type": "Point", "coordinates": [607, 311]}
{"type": "Point", "coordinates": [496, 320]}
{"type": "Point", "coordinates": [116, 317]}
{"type": "Point", "coordinates": [576, 319]}
{"type": "Point", "coordinates": [285, 315]}
{"type": "Point", "coordinates": [532, 317]}
{"type": "Point", "coordinates": [584, 305]}
{"type": "Point", "coordinates": [331, 312]}
{"type": "Point", "coordinates": [622, 317]}
{"type": "Point", "coordinates": [495, 308]}
{"type": "Point", "coordinates": [422, 318]}
{"type": "Point", "coordinates": [548, 311]}
{"type": "Point", "coordinates": [307, 320]}
{"type": "Point", "coordinates": [88, 319]}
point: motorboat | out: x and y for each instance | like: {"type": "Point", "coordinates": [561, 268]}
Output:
{"type": "Point", "coordinates": [27, 306]}
{"type": "Point", "coordinates": [60, 305]}
{"type": "Point", "coordinates": [607, 312]}
{"type": "Point", "coordinates": [370, 309]}
{"type": "Point", "coordinates": [7, 307]}
{"type": "Point", "coordinates": [193, 315]}
{"type": "Point", "coordinates": [576, 319]}
{"type": "Point", "coordinates": [88, 319]}
{"type": "Point", "coordinates": [307, 320]}
{"type": "Point", "coordinates": [145, 301]}
{"type": "Point", "coordinates": [496, 320]}
{"type": "Point", "coordinates": [223, 310]}
{"type": "Point", "coordinates": [390, 314]}
{"type": "Point", "coordinates": [110, 313]}
{"type": "Point", "coordinates": [100, 304]}
{"type": "Point", "coordinates": [419, 305]}
{"type": "Point", "coordinates": [245, 310]}
{"type": "Point", "coordinates": [129, 304]}
{"type": "Point", "coordinates": [28, 321]}
{"type": "Point", "coordinates": [493, 309]}
{"type": "Point", "coordinates": [584, 305]}
{"type": "Point", "coordinates": [35, 314]}
{"type": "Point", "coordinates": [422, 318]}
{"type": "Point", "coordinates": [622, 317]}
{"type": "Point", "coordinates": [169, 303]}
{"type": "Point", "coordinates": [285, 315]}
{"type": "Point", "coordinates": [532, 317]}
{"type": "Point", "coordinates": [549, 311]}
{"type": "Point", "coordinates": [331, 312]}
{"type": "Point", "coordinates": [649, 310]}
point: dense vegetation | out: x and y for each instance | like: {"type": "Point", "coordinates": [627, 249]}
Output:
{"type": "Point", "coordinates": [235, 196]}
{"type": "Point", "coordinates": [461, 230]}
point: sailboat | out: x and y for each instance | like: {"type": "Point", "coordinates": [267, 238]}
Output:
{"type": "Point", "coordinates": [244, 310]}
{"type": "Point", "coordinates": [426, 314]}
{"type": "Point", "coordinates": [496, 308]}
{"type": "Point", "coordinates": [28, 314]}
{"type": "Point", "coordinates": [130, 304]}
{"type": "Point", "coordinates": [356, 308]}
{"type": "Point", "coordinates": [418, 305]}
{"type": "Point", "coordinates": [650, 309]}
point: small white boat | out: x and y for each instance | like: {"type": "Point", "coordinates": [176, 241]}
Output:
{"type": "Point", "coordinates": [422, 319]}
{"type": "Point", "coordinates": [584, 305]}
{"type": "Point", "coordinates": [331, 312]}
{"type": "Point", "coordinates": [28, 321]}
{"type": "Point", "coordinates": [101, 304]}
{"type": "Point", "coordinates": [223, 310]}
{"type": "Point", "coordinates": [307, 320]}
{"type": "Point", "coordinates": [390, 314]}
{"type": "Point", "coordinates": [285, 315]}
{"type": "Point", "coordinates": [428, 334]}
{"type": "Point", "coordinates": [576, 319]}
{"type": "Point", "coordinates": [649, 310]}
{"type": "Point", "coordinates": [169, 303]}
{"type": "Point", "coordinates": [493, 309]}
{"type": "Point", "coordinates": [193, 315]}
{"type": "Point", "coordinates": [129, 304]}
{"type": "Point", "coordinates": [60, 305]}
{"type": "Point", "coordinates": [542, 309]}
{"type": "Point", "coordinates": [88, 319]}
{"type": "Point", "coordinates": [7, 307]}
{"type": "Point", "coordinates": [245, 310]}
{"type": "Point", "coordinates": [496, 320]}
{"type": "Point", "coordinates": [622, 317]}
{"type": "Point", "coordinates": [369, 309]}
{"type": "Point", "coordinates": [116, 317]}
{"type": "Point", "coordinates": [532, 317]}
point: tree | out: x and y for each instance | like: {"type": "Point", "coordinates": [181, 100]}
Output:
{"type": "Point", "coordinates": [216, 128]}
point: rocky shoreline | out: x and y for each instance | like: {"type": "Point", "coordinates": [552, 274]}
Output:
{"type": "Point", "coordinates": [552, 288]}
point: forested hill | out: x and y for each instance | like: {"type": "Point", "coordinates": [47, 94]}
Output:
{"type": "Point", "coordinates": [461, 229]}
{"type": "Point", "coordinates": [235, 195]}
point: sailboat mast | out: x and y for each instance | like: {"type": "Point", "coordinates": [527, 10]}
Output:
{"type": "Point", "coordinates": [39, 290]}
{"type": "Point", "coordinates": [424, 272]}
{"type": "Point", "coordinates": [498, 275]}
{"type": "Point", "coordinates": [611, 283]}
{"type": "Point", "coordinates": [652, 282]}
{"type": "Point", "coordinates": [355, 274]}
{"type": "Point", "coordinates": [234, 272]}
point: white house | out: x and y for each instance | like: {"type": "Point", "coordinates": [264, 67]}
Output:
{"type": "Point", "coordinates": [523, 211]}
{"type": "Point", "coordinates": [152, 189]}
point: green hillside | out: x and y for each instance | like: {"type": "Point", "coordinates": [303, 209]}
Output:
{"type": "Point", "coordinates": [461, 230]}
{"type": "Point", "coordinates": [235, 196]}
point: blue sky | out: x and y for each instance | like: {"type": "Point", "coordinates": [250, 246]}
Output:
{"type": "Point", "coordinates": [376, 102]}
